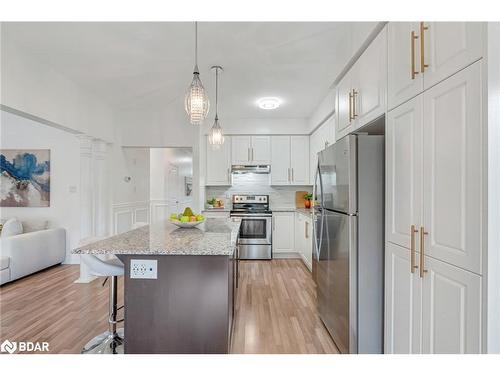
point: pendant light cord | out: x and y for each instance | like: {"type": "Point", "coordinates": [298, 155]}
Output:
{"type": "Point", "coordinates": [216, 92]}
{"type": "Point", "coordinates": [196, 46]}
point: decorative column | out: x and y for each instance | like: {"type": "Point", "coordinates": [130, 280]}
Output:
{"type": "Point", "coordinates": [86, 199]}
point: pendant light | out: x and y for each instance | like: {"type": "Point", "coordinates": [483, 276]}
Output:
{"type": "Point", "coordinates": [196, 102]}
{"type": "Point", "coordinates": [216, 137]}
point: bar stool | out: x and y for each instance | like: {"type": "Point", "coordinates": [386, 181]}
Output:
{"type": "Point", "coordinates": [109, 342]}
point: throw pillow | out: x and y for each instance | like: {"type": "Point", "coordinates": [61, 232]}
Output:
{"type": "Point", "coordinates": [12, 227]}
{"type": "Point", "coordinates": [34, 225]}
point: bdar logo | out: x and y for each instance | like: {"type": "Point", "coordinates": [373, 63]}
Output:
{"type": "Point", "coordinates": [8, 346]}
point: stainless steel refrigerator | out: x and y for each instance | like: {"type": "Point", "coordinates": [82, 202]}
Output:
{"type": "Point", "coordinates": [348, 256]}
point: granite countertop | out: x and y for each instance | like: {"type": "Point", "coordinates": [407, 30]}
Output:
{"type": "Point", "coordinates": [213, 237]}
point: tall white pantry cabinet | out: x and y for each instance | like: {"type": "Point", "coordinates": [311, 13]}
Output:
{"type": "Point", "coordinates": [435, 188]}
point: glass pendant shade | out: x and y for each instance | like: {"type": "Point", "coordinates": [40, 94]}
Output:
{"type": "Point", "coordinates": [196, 102]}
{"type": "Point", "coordinates": [216, 137]}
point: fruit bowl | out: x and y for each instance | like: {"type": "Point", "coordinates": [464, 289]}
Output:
{"type": "Point", "coordinates": [186, 224]}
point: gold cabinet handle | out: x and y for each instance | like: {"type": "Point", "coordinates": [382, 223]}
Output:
{"type": "Point", "coordinates": [354, 114]}
{"type": "Point", "coordinates": [422, 251]}
{"type": "Point", "coordinates": [412, 41]}
{"type": "Point", "coordinates": [350, 106]}
{"type": "Point", "coordinates": [413, 266]}
{"type": "Point", "coordinates": [423, 65]}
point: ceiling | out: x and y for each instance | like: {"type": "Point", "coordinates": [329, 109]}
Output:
{"type": "Point", "coordinates": [149, 65]}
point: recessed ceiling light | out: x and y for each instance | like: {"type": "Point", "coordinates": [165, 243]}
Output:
{"type": "Point", "coordinates": [269, 102]}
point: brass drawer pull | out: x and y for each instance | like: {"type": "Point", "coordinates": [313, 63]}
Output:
{"type": "Point", "coordinates": [422, 251]}
{"type": "Point", "coordinates": [412, 41]}
{"type": "Point", "coordinates": [413, 266]}
{"type": "Point", "coordinates": [423, 65]}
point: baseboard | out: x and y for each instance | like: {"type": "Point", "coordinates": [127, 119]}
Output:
{"type": "Point", "coordinates": [286, 255]}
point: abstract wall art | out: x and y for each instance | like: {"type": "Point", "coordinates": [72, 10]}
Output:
{"type": "Point", "coordinates": [24, 178]}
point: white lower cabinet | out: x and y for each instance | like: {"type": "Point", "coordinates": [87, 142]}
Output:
{"type": "Point", "coordinates": [439, 312]}
{"type": "Point", "coordinates": [303, 238]}
{"type": "Point", "coordinates": [283, 229]}
{"type": "Point", "coordinates": [451, 309]}
{"type": "Point", "coordinates": [403, 295]}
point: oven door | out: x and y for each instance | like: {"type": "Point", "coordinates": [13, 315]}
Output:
{"type": "Point", "coordinates": [255, 230]}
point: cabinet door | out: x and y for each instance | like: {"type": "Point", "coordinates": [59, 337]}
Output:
{"type": "Point", "coordinates": [283, 224]}
{"type": "Point", "coordinates": [298, 233]}
{"type": "Point", "coordinates": [261, 150]}
{"type": "Point", "coordinates": [299, 159]}
{"type": "Point", "coordinates": [308, 242]}
{"type": "Point", "coordinates": [401, 85]}
{"type": "Point", "coordinates": [343, 123]}
{"type": "Point", "coordinates": [280, 160]}
{"type": "Point", "coordinates": [449, 47]}
{"type": "Point", "coordinates": [219, 163]}
{"type": "Point", "coordinates": [454, 170]}
{"type": "Point", "coordinates": [241, 149]}
{"type": "Point", "coordinates": [402, 303]}
{"type": "Point", "coordinates": [371, 81]}
{"type": "Point", "coordinates": [451, 309]}
{"type": "Point", "coordinates": [404, 171]}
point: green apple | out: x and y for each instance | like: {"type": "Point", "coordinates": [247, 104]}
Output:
{"type": "Point", "coordinates": [184, 219]}
{"type": "Point", "coordinates": [173, 216]}
{"type": "Point", "coordinates": [200, 217]}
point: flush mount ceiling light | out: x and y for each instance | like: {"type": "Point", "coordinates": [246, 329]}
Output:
{"type": "Point", "coordinates": [269, 102]}
{"type": "Point", "coordinates": [216, 137]}
{"type": "Point", "coordinates": [196, 102]}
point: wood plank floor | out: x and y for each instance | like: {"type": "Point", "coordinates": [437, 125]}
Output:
{"type": "Point", "coordinates": [275, 310]}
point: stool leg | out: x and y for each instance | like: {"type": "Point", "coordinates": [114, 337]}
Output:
{"type": "Point", "coordinates": [113, 304]}
{"type": "Point", "coordinates": [110, 342]}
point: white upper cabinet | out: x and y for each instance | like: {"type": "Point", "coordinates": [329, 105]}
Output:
{"type": "Point", "coordinates": [290, 160]}
{"type": "Point", "coordinates": [299, 159]}
{"type": "Point", "coordinates": [361, 92]}
{"type": "Point", "coordinates": [261, 149]}
{"type": "Point", "coordinates": [404, 78]}
{"type": "Point", "coordinates": [404, 132]}
{"type": "Point", "coordinates": [449, 47]}
{"type": "Point", "coordinates": [422, 54]}
{"type": "Point", "coordinates": [344, 106]}
{"type": "Point", "coordinates": [280, 160]}
{"type": "Point", "coordinates": [451, 310]}
{"type": "Point", "coordinates": [248, 150]}
{"type": "Point", "coordinates": [454, 170]}
{"type": "Point", "coordinates": [370, 82]}
{"type": "Point", "coordinates": [240, 149]}
{"type": "Point", "coordinates": [360, 33]}
{"type": "Point", "coordinates": [219, 163]}
{"type": "Point", "coordinates": [320, 139]}
{"type": "Point", "coordinates": [403, 293]}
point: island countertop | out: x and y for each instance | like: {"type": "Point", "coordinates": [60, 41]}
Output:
{"type": "Point", "coordinates": [213, 237]}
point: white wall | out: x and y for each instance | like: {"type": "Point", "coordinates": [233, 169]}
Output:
{"type": "Point", "coordinates": [20, 133]}
{"type": "Point", "coordinates": [30, 86]}
{"type": "Point", "coordinates": [133, 163]}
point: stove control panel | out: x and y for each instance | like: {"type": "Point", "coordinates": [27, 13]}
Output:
{"type": "Point", "coordinates": [251, 199]}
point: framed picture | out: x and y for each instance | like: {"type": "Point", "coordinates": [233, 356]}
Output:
{"type": "Point", "coordinates": [24, 178]}
{"type": "Point", "coordinates": [188, 183]}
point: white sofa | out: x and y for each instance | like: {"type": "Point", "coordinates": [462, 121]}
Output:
{"type": "Point", "coordinates": [23, 254]}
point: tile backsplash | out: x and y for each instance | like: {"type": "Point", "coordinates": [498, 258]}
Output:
{"type": "Point", "coordinates": [250, 183]}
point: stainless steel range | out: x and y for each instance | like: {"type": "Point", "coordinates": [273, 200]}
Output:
{"type": "Point", "coordinates": [255, 241]}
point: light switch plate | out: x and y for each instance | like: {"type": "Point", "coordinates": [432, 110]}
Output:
{"type": "Point", "coordinates": [143, 269]}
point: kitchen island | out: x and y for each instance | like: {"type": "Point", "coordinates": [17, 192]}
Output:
{"type": "Point", "coordinates": [187, 305]}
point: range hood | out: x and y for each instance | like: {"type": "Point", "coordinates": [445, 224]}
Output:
{"type": "Point", "coordinates": [259, 169]}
